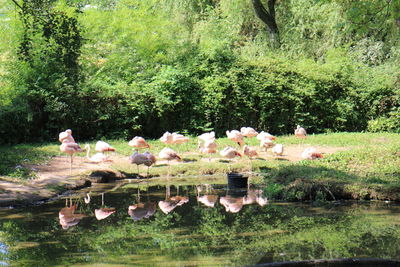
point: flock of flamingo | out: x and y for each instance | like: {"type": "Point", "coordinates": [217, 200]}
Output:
{"type": "Point", "coordinates": [206, 145]}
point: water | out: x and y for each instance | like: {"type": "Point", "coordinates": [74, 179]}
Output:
{"type": "Point", "coordinates": [244, 230]}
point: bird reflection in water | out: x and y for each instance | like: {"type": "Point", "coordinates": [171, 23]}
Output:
{"type": "Point", "coordinates": [103, 212]}
{"type": "Point", "coordinates": [170, 203]}
{"type": "Point", "coordinates": [207, 199]}
{"type": "Point", "coordinates": [234, 204]}
{"type": "Point", "coordinates": [141, 209]}
{"type": "Point", "coordinates": [67, 215]}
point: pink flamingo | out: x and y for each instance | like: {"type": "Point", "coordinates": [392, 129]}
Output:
{"type": "Point", "coordinates": [145, 158]}
{"type": "Point", "coordinates": [300, 132]}
{"type": "Point", "coordinates": [235, 136]}
{"type": "Point", "coordinates": [70, 149]}
{"type": "Point", "coordinates": [138, 142]}
{"type": "Point", "coordinates": [311, 153]}
{"type": "Point", "coordinates": [248, 132]}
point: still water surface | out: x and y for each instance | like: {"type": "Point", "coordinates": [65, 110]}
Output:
{"type": "Point", "coordinates": [193, 225]}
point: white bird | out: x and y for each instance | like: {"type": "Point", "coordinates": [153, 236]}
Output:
{"type": "Point", "coordinates": [96, 158]}
{"type": "Point", "coordinates": [300, 132]}
{"type": "Point", "coordinates": [311, 153]}
{"type": "Point", "coordinates": [263, 135]}
{"type": "Point", "coordinates": [278, 150]}
{"type": "Point", "coordinates": [235, 136]}
{"type": "Point", "coordinates": [248, 132]}
{"type": "Point", "coordinates": [209, 147]}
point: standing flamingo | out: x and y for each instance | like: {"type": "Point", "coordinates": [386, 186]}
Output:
{"type": "Point", "coordinates": [230, 153]}
{"type": "Point", "coordinates": [300, 132]}
{"type": "Point", "coordinates": [145, 158]}
{"type": "Point", "coordinates": [235, 136]}
{"type": "Point", "coordinates": [266, 143]}
{"type": "Point", "coordinates": [264, 135]}
{"type": "Point", "coordinates": [70, 149]}
{"type": "Point", "coordinates": [66, 137]}
{"type": "Point", "coordinates": [207, 136]}
{"type": "Point", "coordinates": [138, 142]}
{"type": "Point", "coordinates": [168, 154]}
{"type": "Point", "coordinates": [67, 215]}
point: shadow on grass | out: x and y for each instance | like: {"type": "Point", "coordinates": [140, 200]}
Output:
{"type": "Point", "coordinates": [296, 182]}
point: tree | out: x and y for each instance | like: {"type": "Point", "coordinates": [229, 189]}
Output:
{"type": "Point", "coordinates": [268, 17]}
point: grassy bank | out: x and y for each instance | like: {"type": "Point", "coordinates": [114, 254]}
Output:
{"type": "Point", "coordinates": [365, 165]}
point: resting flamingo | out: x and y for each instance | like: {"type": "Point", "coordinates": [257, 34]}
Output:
{"type": "Point", "coordinates": [264, 135]}
{"type": "Point", "coordinates": [209, 147]}
{"type": "Point", "coordinates": [311, 153]}
{"type": "Point", "coordinates": [102, 147]}
{"type": "Point", "coordinates": [235, 136]}
{"type": "Point", "coordinates": [138, 142]}
{"type": "Point", "coordinates": [248, 132]}
{"type": "Point", "coordinates": [96, 158]}
{"type": "Point", "coordinates": [168, 154]}
{"type": "Point", "coordinates": [266, 143]}
{"type": "Point", "coordinates": [278, 150]}
{"type": "Point", "coordinates": [207, 136]}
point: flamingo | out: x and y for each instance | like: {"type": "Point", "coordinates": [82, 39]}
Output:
{"type": "Point", "coordinates": [167, 138]}
{"type": "Point", "coordinates": [170, 203]}
{"type": "Point", "coordinates": [207, 200]}
{"type": "Point", "coordinates": [66, 137]}
{"type": "Point", "coordinates": [146, 158]}
{"type": "Point", "coordinates": [138, 142]}
{"type": "Point", "coordinates": [70, 149]}
{"type": "Point", "coordinates": [311, 153]}
{"type": "Point", "coordinates": [235, 136]}
{"type": "Point", "coordinates": [96, 158]}
{"type": "Point", "coordinates": [264, 135]}
{"type": "Point", "coordinates": [141, 210]}
{"type": "Point", "coordinates": [266, 143]}
{"type": "Point", "coordinates": [168, 154]}
{"type": "Point", "coordinates": [67, 215]}
{"type": "Point", "coordinates": [250, 152]}
{"type": "Point", "coordinates": [179, 138]}
{"type": "Point", "coordinates": [209, 147]}
{"type": "Point", "coordinates": [103, 147]}
{"type": "Point", "coordinates": [232, 204]}
{"type": "Point", "coordinates": [300, 132]}
{"type": "Point", "coordinates": [248, 132]}
{"type": "Point", "coordinates": [278, 150]}
{"type": "Point", "coordinates": [230, 153]}
{"type": "Point", "coordinates": [103, 212]}
{"type": "Point", "coordinates": [207, 136]}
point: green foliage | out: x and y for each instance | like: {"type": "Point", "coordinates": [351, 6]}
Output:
{"type": "Point", "coordinates": [121, 68]}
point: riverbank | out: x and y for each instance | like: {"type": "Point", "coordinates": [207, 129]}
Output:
{"type": "Point", "coordinates": [355, 166]}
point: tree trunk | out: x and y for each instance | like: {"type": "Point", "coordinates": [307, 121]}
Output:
{"type": "Point", "coordinates": [268, 17]}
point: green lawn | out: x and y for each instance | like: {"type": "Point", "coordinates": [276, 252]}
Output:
{"type": "Point", "coordinates": [368, 168]}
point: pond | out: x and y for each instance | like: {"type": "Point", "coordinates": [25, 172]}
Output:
{"type": "Point", "coordinates": [193, 225]}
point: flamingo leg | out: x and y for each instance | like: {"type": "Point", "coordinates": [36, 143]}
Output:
{"type": "Point", "coordinates": [148, 167]}
{"type": "Point", "coordinates": [102, 199]}
{"type": "Point", "coordinates": [70, 168]}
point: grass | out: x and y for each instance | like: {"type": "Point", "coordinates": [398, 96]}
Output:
{"type": "Point", "coordinates": [368, 168]}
